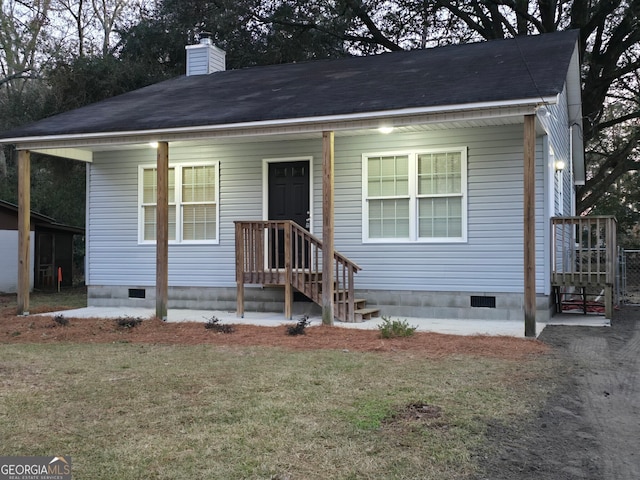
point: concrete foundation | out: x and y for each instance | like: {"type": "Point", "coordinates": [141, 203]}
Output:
{"type": "Point", "coordinates": [454, 305]}
{"type": "Point", "coordinates": [458, 305]}
{"type": "Point", "coordinates": [257, 299]}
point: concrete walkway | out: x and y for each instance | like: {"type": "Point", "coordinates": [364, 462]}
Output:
{"type": "Point", "coordinates": [510, 328]}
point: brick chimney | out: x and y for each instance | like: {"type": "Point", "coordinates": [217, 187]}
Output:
{"type": "Point", "coordinates": [205, 58]}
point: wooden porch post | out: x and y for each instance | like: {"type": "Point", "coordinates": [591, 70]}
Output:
{"type": "Point", "coordinates": [288, 288]}
{"type": "Point", "coordinates": [24, 230]}
{"type": "Point", "coordinates": [327, 228]}
{"type": "Point", "coordinates": [240, 270]}
{"type": "Point", "coordinates": [162, 231]}
{"type": "Point", "coordinates": [612, 255]}
{"type": "Point", "coordinates": [529, 226]}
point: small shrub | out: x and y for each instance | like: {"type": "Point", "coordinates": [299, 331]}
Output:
{"type": "Point", "coordinates": [395, 328]}
{"type": "Point", "coordinates": [214, 324]}
{"type": "Point", "coordinates": [60, 320]}
{"type": "Point", "coordinates": [128, 322]}
{"type": "Point", "coordinates": [298, 328]}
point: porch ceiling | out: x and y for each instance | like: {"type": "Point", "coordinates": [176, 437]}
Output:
{"type": "Point", "coordinates": [310, 135]}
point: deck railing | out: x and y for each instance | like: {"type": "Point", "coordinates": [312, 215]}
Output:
{"type": "Point", "coordinates": [584, 257]}
{"type": "Point", "coordinates": [583, 251]}
{"type": "Point", "coordinates": [276, 252]}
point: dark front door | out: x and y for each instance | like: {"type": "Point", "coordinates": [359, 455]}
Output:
{"type": "Point", "coordinates": [288, 200]}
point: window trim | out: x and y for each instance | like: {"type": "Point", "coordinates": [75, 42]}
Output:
{"type": "Point", "coordinates": [178, 167]}
{"type": "Point", "coordinates": [414, 197]}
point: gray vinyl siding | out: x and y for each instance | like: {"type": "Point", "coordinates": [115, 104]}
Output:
{"type": "Point", "coordinates": [491, 260]}
{"type": "Point", "coordinates": [558, 181]}
{"type": "Point", "coordinates": [564, 194]}
{"type": "Point", "coordinates": [557, 127]}
{"type": "Point", "coordinates": [204, 59]}
{"type": "Point", "coordinates": [198, 62]}
{"type": "Point", "coordinates": [116, 258]}
{"type": "Point", "coordinates": [569, 194]}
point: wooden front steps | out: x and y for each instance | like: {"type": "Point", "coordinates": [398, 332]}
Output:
{"type": "Point", "coordinates": [341, 301]}
{"type": "Point", "coordinates": [280, 252]}
{"type": "Point", "coordinates": [367, 314]}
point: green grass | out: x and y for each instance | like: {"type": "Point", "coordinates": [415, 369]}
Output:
{"type": "Point", "coordinates": [67, 298]}
{"type": "Point", "coordinates": [126, 411]}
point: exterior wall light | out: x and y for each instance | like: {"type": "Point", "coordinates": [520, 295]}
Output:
{"type": "Point", "coordinates": [543, 111]}
{"type": "Point", "coordinates": [153, 144]}
{"type": "Point", "coordinates": [385, 130]}
{"type": "Point", "coordinates": [559, 165]}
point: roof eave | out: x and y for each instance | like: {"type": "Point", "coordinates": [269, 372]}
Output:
{"type": "Point", "coordinates": [399, 117]}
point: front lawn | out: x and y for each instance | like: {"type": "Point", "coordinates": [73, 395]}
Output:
{"type": "Point", "coordinates": [143, 411]}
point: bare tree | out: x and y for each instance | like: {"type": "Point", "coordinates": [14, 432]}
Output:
{"type": "Point", "coordinates": [22, 28]}
{"type": "Point", "coordinates": [81, 17]}
{"type": "Point", "coordinates": [108, 13]}
{"type": "Point", "coordinates": [88, 27]}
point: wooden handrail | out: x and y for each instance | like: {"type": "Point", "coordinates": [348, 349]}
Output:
{"type": "Point", "coordinates": [280, 252]}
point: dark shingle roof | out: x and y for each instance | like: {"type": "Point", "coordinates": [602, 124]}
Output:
{"type": "Point", "coordinates": [496, 71]}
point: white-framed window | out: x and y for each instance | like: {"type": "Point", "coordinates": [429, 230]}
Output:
{"type": "Point", "coordinates": [193, 203]}
{"type": "Point", "coordinates": [418, 196]}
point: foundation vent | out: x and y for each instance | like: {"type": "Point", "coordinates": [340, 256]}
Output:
{"type": "Point", "coordinates": [480, 301]}
{"type": "Point", "coordinates": [137, 293]}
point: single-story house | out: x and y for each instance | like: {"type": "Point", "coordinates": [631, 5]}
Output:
{"type": "Point", "coordinates": [51, 248]}
{"type": "Point", "coordinates": [432, 175]}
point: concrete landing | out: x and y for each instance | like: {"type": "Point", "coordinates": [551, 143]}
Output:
{"type": "Point", "coordinates": [448, 326]}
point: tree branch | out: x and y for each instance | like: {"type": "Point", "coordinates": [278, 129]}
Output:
{"type": "Point", "coordinates": [466, 18]}
{"type": "Point", "coordinates": [377, 35]}
{"type": "Point", "coordinates": [615, 121]}
{"type": "Point", "coordinates": [18, 76]}
{"type": "Point", "coordinates": [617, 163]}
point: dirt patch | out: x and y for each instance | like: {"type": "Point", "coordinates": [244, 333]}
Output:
{"type": "Point", "coordinates": [590, 427]}
{"type": "Point", "coordinates": [416, 417]}
{"type": "Point", "coordinates": [417, 412]}
{"type": "Point", "coordinates": [32, 329]}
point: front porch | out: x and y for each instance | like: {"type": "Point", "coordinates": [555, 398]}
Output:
{"type": "Point", "coordinates": [265, 257]}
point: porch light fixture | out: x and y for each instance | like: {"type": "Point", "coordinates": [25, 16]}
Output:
{"type": "Point", "coordinates": [543, 111]}
{"type": "Point", "coordinates": [559, 165]}
{"type": "Point", "coordinates": [153, 144]}
{"type": "Point", "coordinates": [385, 129]}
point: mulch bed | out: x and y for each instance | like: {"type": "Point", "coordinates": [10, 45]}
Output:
{"type": "Point", "coordinates": [36, 329]}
